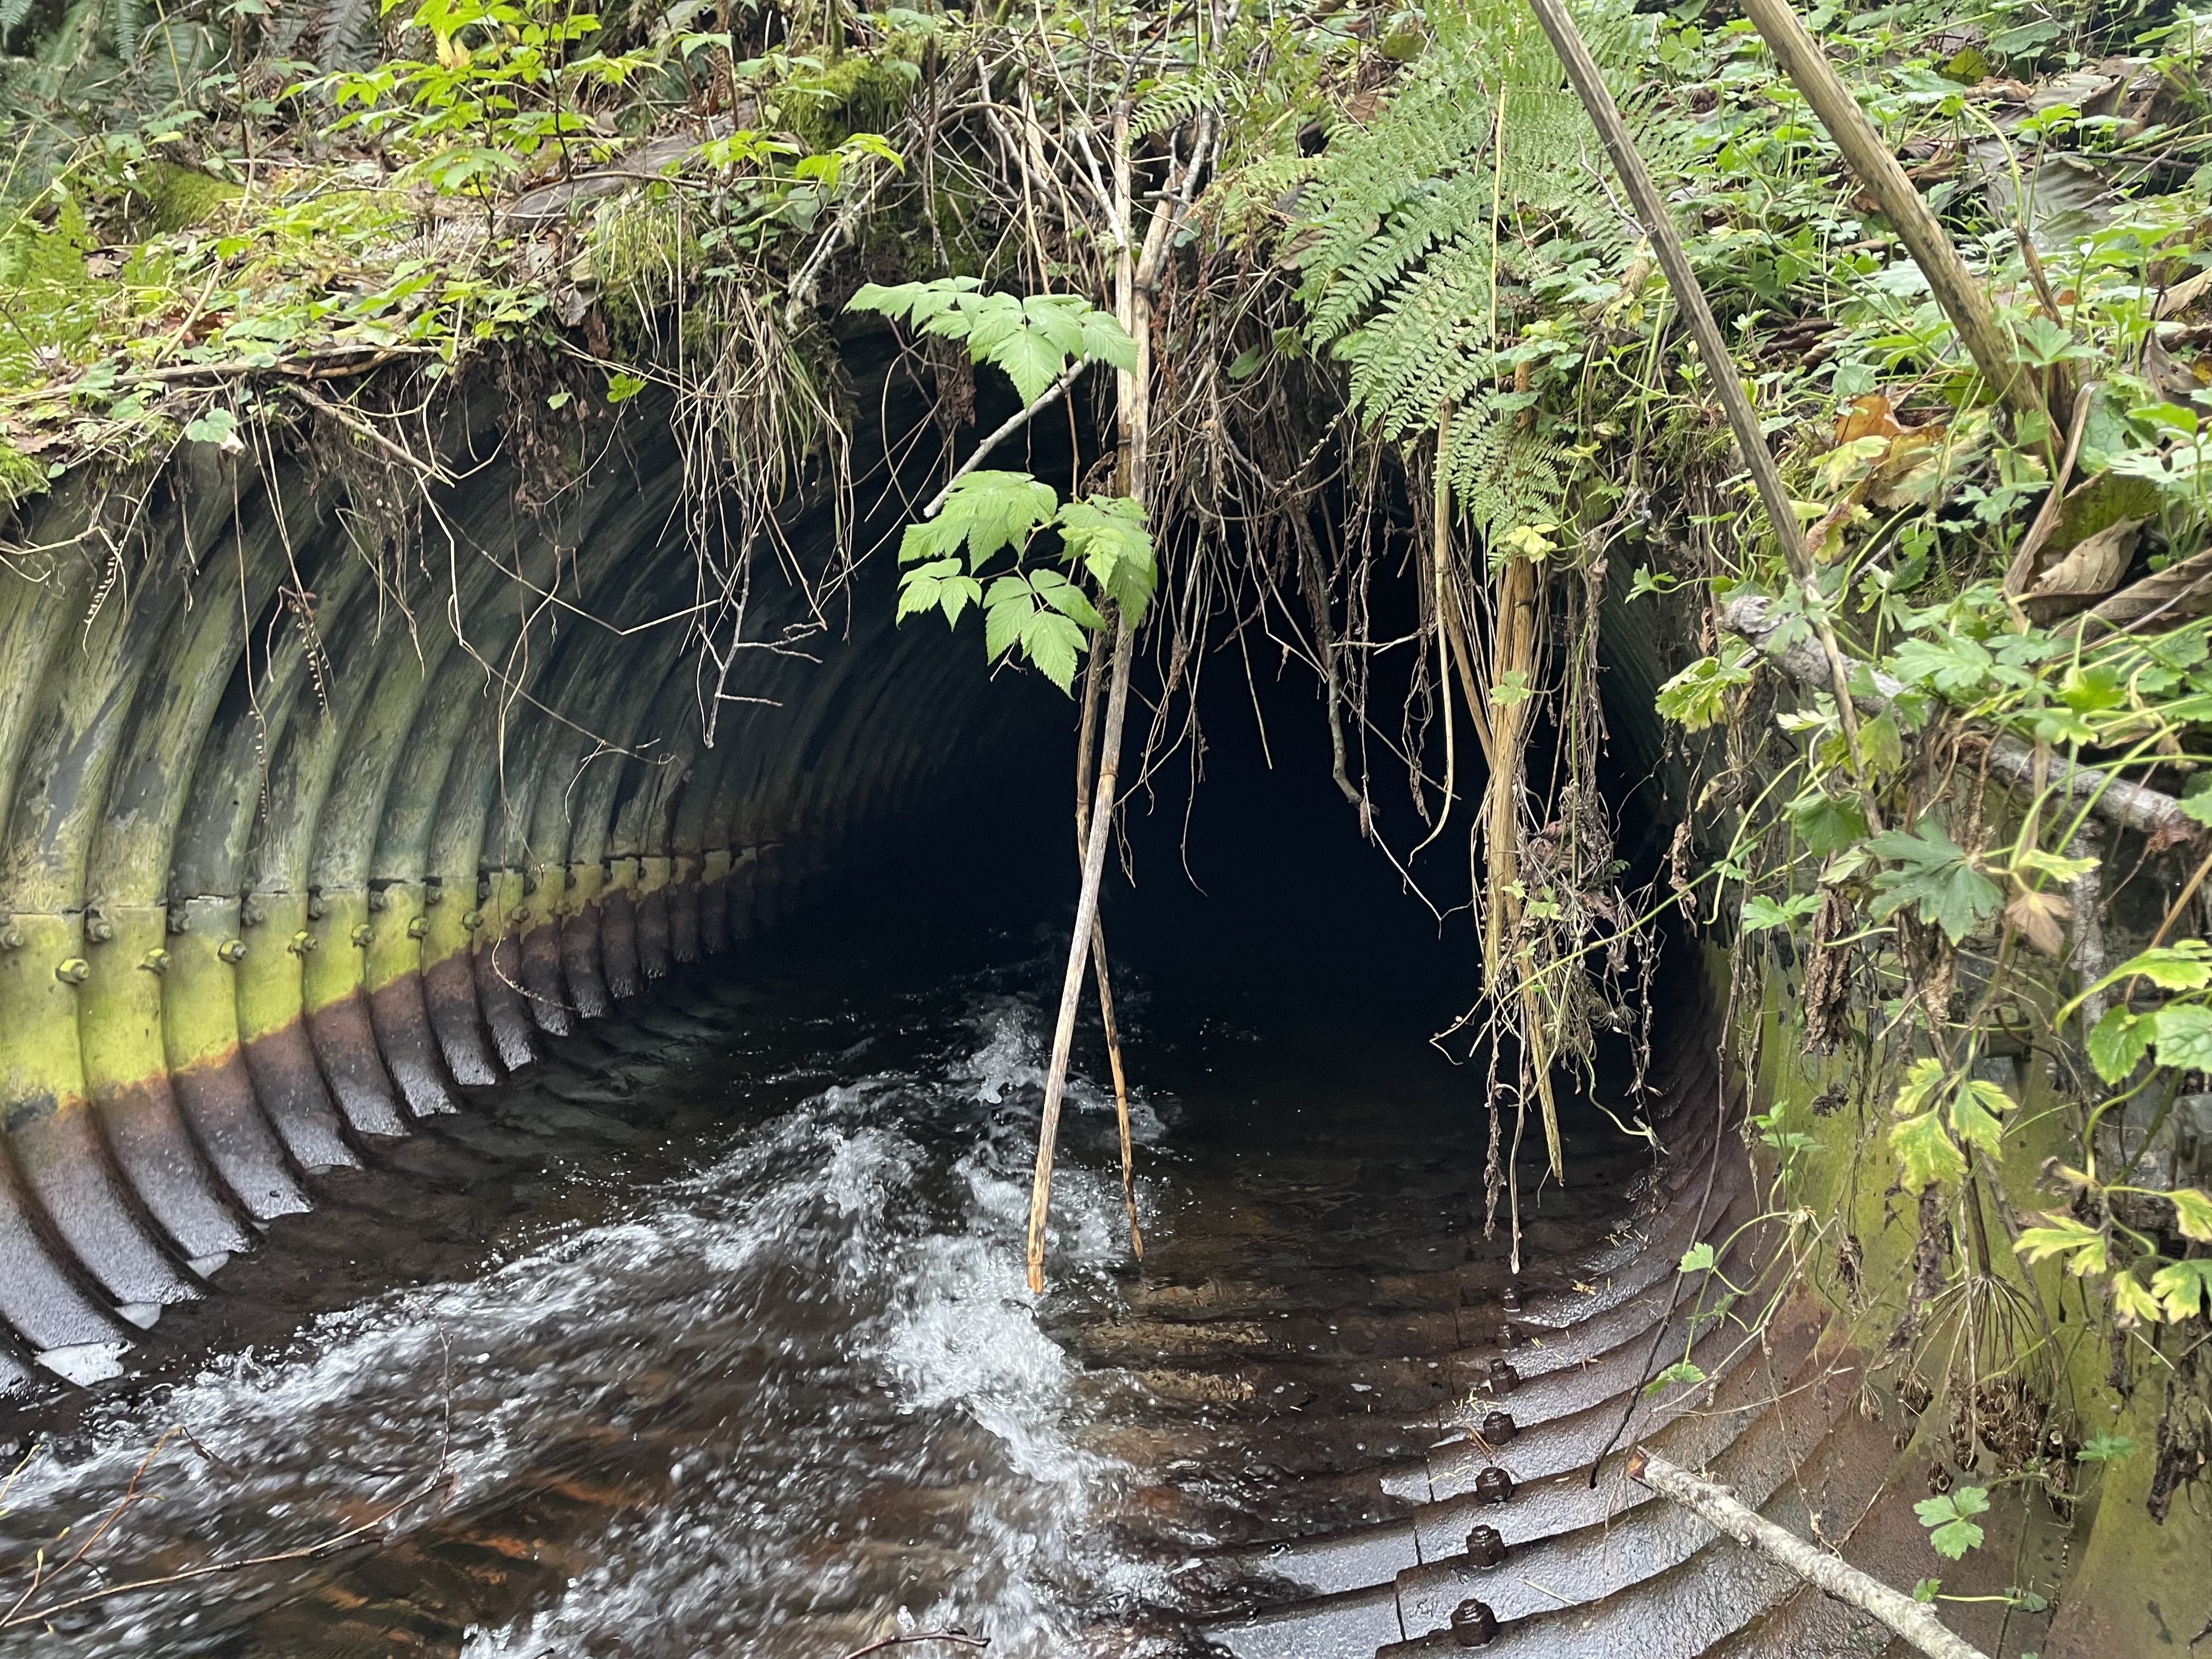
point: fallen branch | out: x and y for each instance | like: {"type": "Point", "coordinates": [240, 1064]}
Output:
{"type": "Point", "coordinates": [1915, 1622]}
{"type": "Point", "coordinates": [2129, 804]}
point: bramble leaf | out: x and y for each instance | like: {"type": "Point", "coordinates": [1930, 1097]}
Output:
{"type": "Point", "coordinates": [2182, 1286]}
{"type": "Point", "coordinates": [1697, 1259]}
{"type": "Point", "coordinates": [1680, 1371]}
{"type": "Point", "coordinates": [1108, 534]}
{"type": "Point", "coordinates": [987, 511]}
{"type": "Point", "coordinates": [1950, 1532]}
{"type": "Point", "coordinates": [2117, 1043]}
{"type": "Point", "coordinates": [1926, 1155]}
{"type": "Point", "coordinates": [937, 585]}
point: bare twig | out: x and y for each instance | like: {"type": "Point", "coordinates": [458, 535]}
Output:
{"type": "Point", "coordinates": [1913, 1621]}
{"type": "Point", "coordinates": [1012, 424]}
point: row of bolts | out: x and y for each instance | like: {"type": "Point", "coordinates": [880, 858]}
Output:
{"type": "Point", "coordinates": [75, 971]}
{"type": "Point", "coordinates": [1474, 1624]}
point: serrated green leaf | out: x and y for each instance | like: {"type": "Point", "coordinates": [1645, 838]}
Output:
{"type": "Point", "coordinates": [1681, 1370]}
{"type": "Point", "coordinates": [1030, 360]}
{"type": "Point", "coordinates": [2183, 1036]}
{"type": "Point", "coordinates": [2182, 1286]}
{"type": "Point", "coordinates": [1007, 605]}
{"type": "Point", "coordinates": [988, 511]}
{"type": "Point", "coordinates": [1105, 340]}
{"type": "Point", "coordinates": [1053, 642]}
{"type": "Point", "coordinates": [1697, 1259]}
{"type": "Point", "coordinates": [2103, 1448]}
{"type": "Point", "coordinates": [2117, 1043]}
{"type": "Point", "coordinates": [2192, 1213]}
{"type": "Point", "coordinates": [1056, 318]}
{"type": "Point", "coordinates": [1926, 1155]}
{"type": "Point", "coordinates": [1106, 534]}
{"type": "Point", "coordinates": [1065, 597]}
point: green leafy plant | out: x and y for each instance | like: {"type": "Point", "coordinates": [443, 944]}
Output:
{"type": "Point", "coordinates": [1952, 1530]}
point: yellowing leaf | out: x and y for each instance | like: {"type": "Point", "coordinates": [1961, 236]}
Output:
{"type": "Point", "coordinates": [2192, 1212]}
{"type": "Point", "coordinates": [2181, 1287]}
{"type": "Point", "coordinates": [2133, 1304]}
{"type": "Point", "coordinates": [1926, 1156]}
{"type": "Point", "coordinates": [2064, 1236]}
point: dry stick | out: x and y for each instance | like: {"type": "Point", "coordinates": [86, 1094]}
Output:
{"type": "Point", "coordinates": [1440, 561]}
{"type": "Point", "coordinates": [1953, 284]}
{"type": "Point", "coordinates": [957, 1638]}
{"type": "Point", "coordinates": [1086, 921]}
{"type": "Point", "coordinates": [1590, 86]}
{"type": "Point", "coordinates": [1132, 305]}
{"type": "Point", "coordinates": [1083, 750]}
{"type": "Point", "coordinates": [1011, 425]}
{"type": "Point", "coordinates": [1915, 1622]}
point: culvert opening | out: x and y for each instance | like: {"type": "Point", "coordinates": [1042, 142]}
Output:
{"type": "Point", "coordinates": [676, 1190]}
{"type": "Point", "coordinates": [425, 520]}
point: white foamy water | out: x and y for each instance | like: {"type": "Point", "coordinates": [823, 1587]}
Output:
{"type": "Point", "coordinates": [790, 1403]}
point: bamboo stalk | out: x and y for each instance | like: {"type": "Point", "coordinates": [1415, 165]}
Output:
{"type": "Point", "coordinates": [1915, 1622]}
{"type": "Point", "coordinates": [1750, 441]}
{"type": "Point", "coordinates": [1870, 158]}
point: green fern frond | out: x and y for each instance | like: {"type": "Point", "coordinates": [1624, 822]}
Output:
{"type": "Point", "coordinates": [126, 28]}
{"type": "Point", "coordinates": [1171, 103]}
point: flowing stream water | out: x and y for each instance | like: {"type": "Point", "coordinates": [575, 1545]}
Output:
{"type": "Point", "coordinates": [708, 1336]}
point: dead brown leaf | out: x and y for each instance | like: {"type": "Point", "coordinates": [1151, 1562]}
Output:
{"type": "Point", "coordinates": [2091, 568]}
{"type": "Point", "coordinates": [1870, 416]}
{"type": "Point", "coordinates": [2038, 918]}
